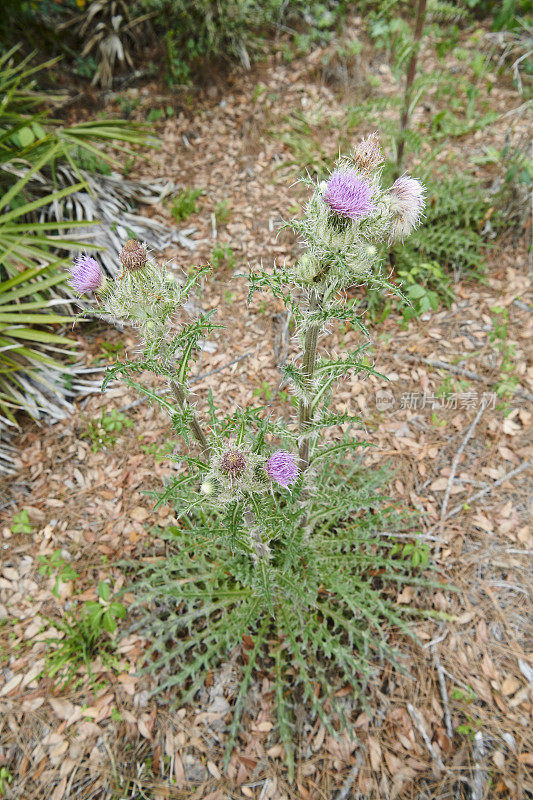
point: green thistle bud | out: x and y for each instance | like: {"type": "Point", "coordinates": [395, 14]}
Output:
{"type": "Point", "coordinates": [260, 474]}
{"type": "Point", "coordinates": [210, 487]}
{"type": "Point", "coordinates": [307, 268]}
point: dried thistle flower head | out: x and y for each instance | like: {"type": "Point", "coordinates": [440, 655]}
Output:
{"type": "Point", "coordinates": [234, 471]}
{"type": "Point", "coordinates": [233, 463]}
{"type": "Point", "coordinates": [133, 255]}
{"type": "Point", "coordinates": [368, 156]}
{"type": "Point", "coordinates": [407, 201]}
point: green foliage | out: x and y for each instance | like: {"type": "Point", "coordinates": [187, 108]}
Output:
{"type": "Point", "coordinates": [461, 113]}
{"type": "Point", "coordinates": [417, 552]}
{"type": "Point", "coordinates": [195, 30]}
{"type": "Point", "coordinates": [426, 285]}
{"type": "Point", "coordinates": [5, 779]}
{"type": "Point", "coordinates": [109, 350]}
{"type": "Point", "coordinates": [21, 522]}
{"type": "Point", "coordinates": [222, 256]}
{"type": "Point", "coordinates": [302, 136]}
{"type": "Point", "coordinates": [28, 349]}
{"type": "Point", "coordinates": [451, 235]}
{"type": "Point", "coordinates": [184, 204]}
{"type": "Point", "coordinates": [103, 430]}
{"type": "Point", "coordinates": [33, 148]}
{"type": "Point", "coordinates": [450, 244]}
{"type": "Point", "coordinates": [85, 635]}
{"type": "Point", "coordinates": [223, 212]}
{"type": "Point", "coordinates": [57, 565]}
{"type": "Point", "coordinates": [508, 381]}
{"type": "Point", "coordinates": [317, 614]}
{"type": "Point", "coordinates": [160, 452]}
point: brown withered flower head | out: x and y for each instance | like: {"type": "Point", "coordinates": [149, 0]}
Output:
{"type": "Point", "coordinates": [368, 155]}
{"type": "Point", "coordinates": [133, 255]}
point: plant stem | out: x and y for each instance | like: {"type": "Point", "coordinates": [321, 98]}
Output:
{"type": "Point", "coordinates": [308, 369]}
{"type": "Point", "coordinates": [181, 396]}
{"type": "Point", "coordinates": [411, 72]}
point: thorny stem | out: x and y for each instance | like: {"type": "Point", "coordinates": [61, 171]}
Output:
{"type": "Point", "coordinates": [411, 72]}
{"type": "Point", "coordinates": [181, 396]}
{"type": "Point", "coordinates": [308, 369]}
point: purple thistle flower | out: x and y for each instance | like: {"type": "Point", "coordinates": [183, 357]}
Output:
{"type": "Point", "coordinates": [348, 195]}
{"type": "Point", "coordinates": [407, 205]}
{"type": "Point", "coordinates": [85, 274]}
{"type": "Point", "coordinates": [282, 468]}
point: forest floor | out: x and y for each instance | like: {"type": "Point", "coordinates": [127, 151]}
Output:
{"type": "Point", "coordinates": [463, 727]}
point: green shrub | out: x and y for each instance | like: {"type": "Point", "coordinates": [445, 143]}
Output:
{"type": "Point", "coordinates": [452, 235]}
{"type": "Point", "coordinates": [233, 29]}
{"type": "Point", "coordinates": [317, 614]}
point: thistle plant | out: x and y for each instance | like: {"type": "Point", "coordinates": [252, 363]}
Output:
{"type": "Point", "coordinates": [282, 535]}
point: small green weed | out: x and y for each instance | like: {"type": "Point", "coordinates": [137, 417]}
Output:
{"type": "Point", "coordinates": [468, 695]}
{"type": "Point", "coordinates": [222, 212]}
{"type": "Point", "coordinates": [110, 349]}
{"type": "Point", "coordinates": [160, 452]}
{"type": "Point", "coordinates": [5, 779]}
{"type": "Point", "coordinates": [450, 386]}
{"type": "Point", "coordinates": [466, 729]}
{"type": "Point", "coordinates": [417, 553]}
{"type": "Point", "coordinates": [21, 522]}
{"type": "Point", "coordinates": [57, 565]}
{"type": "Point", "coordinates": [102, 430]}
{"type": "Point", "coordinates": [128, 104]}
{"type": "Point", "coordinates": [425, 285]}
{"type": "Point", "coordinates": [265, 390]}
{"type": "Point", "coordinates": [508, 382]}
{"type": "Point", "coordinates": [84, 637]}
{"type": "Point", "coordinates": [107, 351]}
{"type": "Point", "coordinates": [184, 203]}
{"type": "Point", "coordinates": [157, 114]}
{"type": "Point", "coordinates": [302, 135]}
{"type": "Point", "coordinates": [222, 256]}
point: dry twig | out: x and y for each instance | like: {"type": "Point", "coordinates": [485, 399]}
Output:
{"type": "Point", "coordinates": [489, 489]}
{"type": "Point", "coordinates": [443, 692]}
{"type": "Point", "coordinates": [480, 773]}
{"type": "Point", "coordinates": [466, 373]}
{"type": "Point", "coordinates": [419, 725]}
{"type": "Point", "coordinates": [455, 462]}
